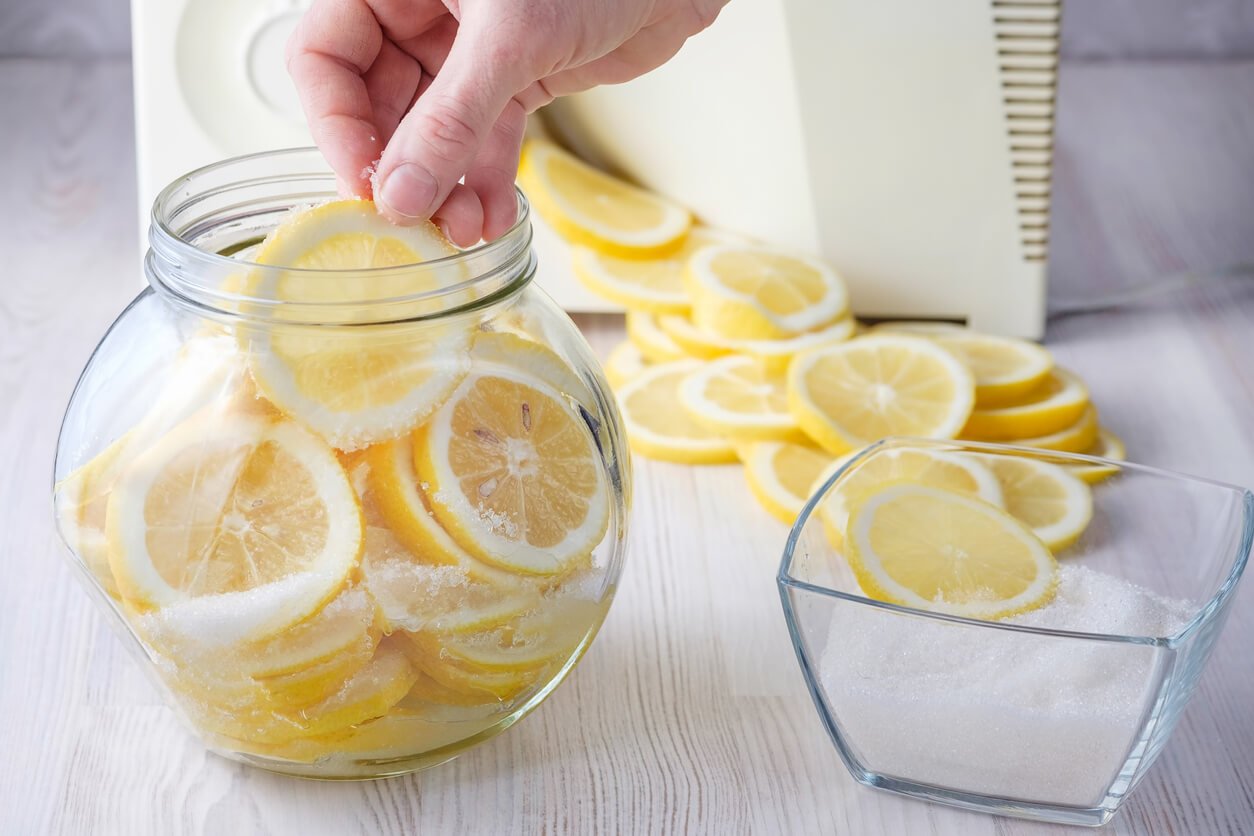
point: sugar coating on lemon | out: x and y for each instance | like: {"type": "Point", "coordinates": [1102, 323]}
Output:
{"type": "Point", "coordinates": [514, 473]}
{"type": "Point", "coordinates": [947, 552]}
{"type": "Point", "coordinates": [848, 395]}
{"type": "Point", "coordinates": [243, 525]}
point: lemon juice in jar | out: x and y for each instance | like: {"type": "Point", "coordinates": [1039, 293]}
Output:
{"type": "Point", "coordinates": [356, 496]}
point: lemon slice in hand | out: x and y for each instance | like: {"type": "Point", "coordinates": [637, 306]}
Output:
{"type": "Point", "coordinates": [739, 398]}
{"type": "Point", "coordinates": [930, 468]}
{"type": "Point", "coordinates": [947, 552]}
{"type": "Point", "coordinates": [587, 206]}
{"type": "Point", "coordinates": [754, 293]}
{"type": "Point", "coordinates": [653, 285]}
{"type": "Point", "coordinates": [353, 385]}
{"type": "Point", "coordinates": [851, 394]}
{"type": "Point", "coordinates": [237, 526]}
{"type": "Point", "coordinates": [1056, 505]}
{"type": "Point", "coordinates": [514, 474]}
{"type": "Point", "coordinates": [780, 475]}
{"type": "Point", "coordinates": [658, 427]}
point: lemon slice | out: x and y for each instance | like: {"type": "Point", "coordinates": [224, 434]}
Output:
{"type": "Point", "coordinates": [1006, 370]}
{"type": "Point", "coordinates": [353, 385]}
{"type": "Point", "coordinates": [1056, 505]}
{"type": "Point", "coordinates": [654, 343]}
{"type": "Point", "coordinates": [653, 285]}
{"type": "Point", "coordinates": [930, 468]}
{"type": "Point", "coordinates": [1077, 438]}
{"type": "Point", "coordinates": [737, 397]}
{"type": "Point", "coordinates": [659, 428]}
{"type": "Point", "coordinates": [370, 693]}
{"type": "Point", "coordinates": [755, 293]}
{"type": "Point", "coordinates": [244, 525]}
{"type": "Point", "coordinates": [625, 363]}
{"type": "Point", "coordinates": [589, 207]}
{"type": "Point", "coordinates": [851, 394]}
{"type": "Point", "coordinates": [947, 552]}
{"type": "Point", "coordinates": [780, 475]}
{"type": "Point", "coordinates": [515, 352]}
{"type": "Point", "coordinates": [1054, 405]}
{"type": "Point", "coordinates": [775, 354]}
{"type": "Point", "coordinates": [206, 373]}
{"type": "Point", "coordinates": [474, 684]}
{"type": "Point", "coordinates": [514, 473]}
{"type": "Point", "coordinates": [1107, 446]}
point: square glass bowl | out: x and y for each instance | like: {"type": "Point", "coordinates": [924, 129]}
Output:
{"type": "Point", "coordinates": [1054, 714]}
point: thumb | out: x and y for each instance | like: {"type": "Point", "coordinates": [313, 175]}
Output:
{"type": "Point", "coordinates": [436, 143]}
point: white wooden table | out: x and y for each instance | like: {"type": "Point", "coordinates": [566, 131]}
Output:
{"type": "Point", "coordinates": [688, 714]}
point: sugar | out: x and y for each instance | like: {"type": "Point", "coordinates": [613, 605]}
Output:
{"type": "Point", "coordinates": [998, 712]}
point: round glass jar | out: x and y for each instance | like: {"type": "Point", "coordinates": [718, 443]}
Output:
{"type": "Point", "coordinates": [353, 522]}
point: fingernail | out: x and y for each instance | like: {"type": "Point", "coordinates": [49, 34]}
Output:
{"type": "Point", "coordinates": [409, 190]}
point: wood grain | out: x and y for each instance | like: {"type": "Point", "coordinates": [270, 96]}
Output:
{"type": "Point", "coordinates": [688, 714]}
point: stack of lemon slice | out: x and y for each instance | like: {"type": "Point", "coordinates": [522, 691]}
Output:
{"type": "Point", "coordinates": [737, 350]}
{"type": "Point", "coordinates": [328, 536]}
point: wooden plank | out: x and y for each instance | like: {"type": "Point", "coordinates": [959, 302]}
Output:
{"type": "Point", "coordinates": [688, 714]}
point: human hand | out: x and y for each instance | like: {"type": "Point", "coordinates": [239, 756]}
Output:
{"type": "Point", "coordinates": [438, 90]}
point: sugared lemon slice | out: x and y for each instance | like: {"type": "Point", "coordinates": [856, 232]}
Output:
{"type": "Point", "coordinates": [947, 552]}
{"type": "Point", "coordinates": [245, 525]}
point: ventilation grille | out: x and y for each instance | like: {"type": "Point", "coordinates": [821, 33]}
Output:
{"type": "Point", "coordinates": [1027, 57]}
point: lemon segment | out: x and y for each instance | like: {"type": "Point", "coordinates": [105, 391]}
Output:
{"type": "Point", "coordinates": [738, 398]}
{"type": "Point", "coordinates": [774, 354]}
{"type": "Point", "coordinates": [654, 343]}
{"type": "Point", "coordinates": [848, 395]}
{"type": "Point", "coordinates": [513, 474]}
{"type": "Point", "coordinates": [659, 428]}
{"type": "Point", "coordinates": [947, 552]}
{"type": "Point", "coordinates": [754, 293]}
{"type": "Point", "coordinates": [354, 386]}
{"type": "Point", "coordinates": [931, 468]}
{"type": "Point", "coordinates": [780, 475]}
{"type": "Point", "coordinates": [1006, 370]}
{"type": "Point", "coordinates": [236, 525]}
{"type": "Point", "coordinates": [1056, 505]}
{"type": "Point", "coordinates": [1057, 403]}
{"type": "Point", "coordinates": [1107, 446]}
{"type": "Point", "coordinates": [653, 285]}
{"type": "Point", "coordinates": [589, 207]}
{"type": "Point", "coordinates": [625, 363]}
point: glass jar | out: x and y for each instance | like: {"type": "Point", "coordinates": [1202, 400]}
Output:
{"type": "Point", "coordinates": [353, 522]}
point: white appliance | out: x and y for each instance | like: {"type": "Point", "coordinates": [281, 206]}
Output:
{"type": "Point", "coordinates": [210, 83]}
{"type": "Point", "coordinates": [909, 142]}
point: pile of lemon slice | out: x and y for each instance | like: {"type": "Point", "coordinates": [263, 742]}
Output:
{"type": "Point", "coordinates": [741, 351]}
{"type": "Point", "coordinates": [328, 536]}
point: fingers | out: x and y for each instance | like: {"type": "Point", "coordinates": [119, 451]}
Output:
{"type": "Point", "coordinates": [495, 169]}
{"type": "Point", "coordinates": [333, 47]}
{"type": "Point", "coordinates": [439, 139]}
{"type": "Point", "coordinates": [461, 216]}
{"type": "Point", "coordinates": [391, 84]}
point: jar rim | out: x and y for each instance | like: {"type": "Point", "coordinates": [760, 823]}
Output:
{"type": "Point", "coordinates": [194, 205]}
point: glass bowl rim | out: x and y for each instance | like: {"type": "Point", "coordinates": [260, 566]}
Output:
{"type": "Point", "coordinates": [1203, 613]}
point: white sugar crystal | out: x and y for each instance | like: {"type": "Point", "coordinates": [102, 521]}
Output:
{"type": "Point", "coordinates": [1000, 712]}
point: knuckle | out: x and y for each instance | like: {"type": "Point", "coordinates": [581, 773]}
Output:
{"type": "Point", "coordinates": [450, 134]}
{"type": "Point", "coordinates": [705, 12]}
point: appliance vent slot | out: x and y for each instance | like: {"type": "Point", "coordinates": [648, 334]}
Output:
{"type": "Point", "coordinates": [1027, 33]}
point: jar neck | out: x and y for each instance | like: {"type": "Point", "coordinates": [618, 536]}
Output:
{"type": "Point", "coordinates": [205, 225]}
